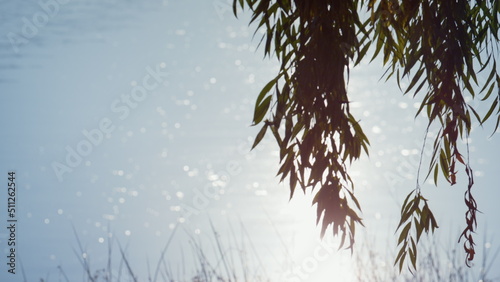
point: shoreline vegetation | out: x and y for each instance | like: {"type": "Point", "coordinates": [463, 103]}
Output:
{"type": "Point", "coordinates": [234, 258]}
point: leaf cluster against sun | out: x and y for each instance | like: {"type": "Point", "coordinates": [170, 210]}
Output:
{"type": "Point", "coordinates": [440, 46]}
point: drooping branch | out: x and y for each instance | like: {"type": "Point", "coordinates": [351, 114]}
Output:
{"type": "Point", "coordinates": [439, 46]}
{"type": "Point", "coordinates": [315, 42]}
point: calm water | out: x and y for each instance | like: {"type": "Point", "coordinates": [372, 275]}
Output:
{"type": "Point", "coordinates": [94, 152]}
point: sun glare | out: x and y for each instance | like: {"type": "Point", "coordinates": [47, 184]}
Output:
{"type": "Point", "coordinates": [311, 258]}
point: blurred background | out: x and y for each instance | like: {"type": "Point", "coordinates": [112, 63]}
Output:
{"type": "Point", "coordinates": [128, 125]}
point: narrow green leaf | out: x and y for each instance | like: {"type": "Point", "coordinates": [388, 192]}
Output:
{"type": "Point", "coordinates": [277, 136]}
{"type": "Point", "coordinates": [476, 115]}
{"type": "Point", "coordinates": [404, 218]}
{"type": "Point", "coordinates": [407, 209]}
{"type": "Point", "coordinates": [413, 258]}
{"type": "Point", "coordinates": [260, 135]}
{"type": "Point", "coordinates": [261, 110]}
{"type": "Point", "coordinates": [490, 111]}
{"type": "Point", "coordinates": [434, 224]}
{"type": "Point", "coordinates": [401, 254]}
{"type": "Point", "coordinates": [293, 182]}
{"type": "Point", "coordinates": [490, 77]}
{"type": "Point", "coordinates": [404, 233]}
{"type": "Point", "coordinates": [354, 199]}
{"type": "Point", "coordinates": [235, 8]}
{"type": "Point", "coordinates": [406, 199]}
{"type": "Point", "coordinates": [265, 90]}
{"type": "Point", "coordinates": [401, 262]}
{"type": "Point", "coordinates": [488, 93]}
{"type": "Point", "coordinates": [415, 79]}
{"type": "Point", "coordinates": [444, 164]}
{"type": "Point", "coordinates": [362, 54]}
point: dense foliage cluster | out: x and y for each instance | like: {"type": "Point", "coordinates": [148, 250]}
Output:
{"type": "Point", "coordinates": [438, 45]}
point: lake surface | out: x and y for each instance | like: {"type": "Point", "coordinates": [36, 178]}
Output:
{"type": "Point", "coordinates": [99, 161]}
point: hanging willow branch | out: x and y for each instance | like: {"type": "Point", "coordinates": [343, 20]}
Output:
{"type": "Point", "coordinates": [435, 44]}
{"type": "Point", "coordinates": [311, 121]}
{"type": "Point", "coordinates": [438, 45]}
